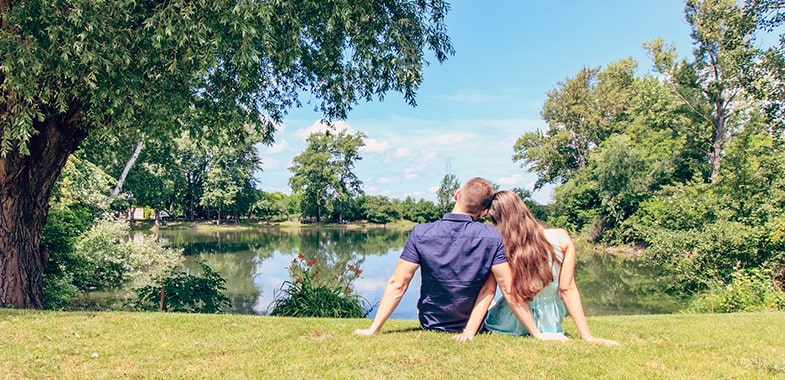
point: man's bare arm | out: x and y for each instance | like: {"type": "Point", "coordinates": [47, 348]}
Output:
{"type": "Point", "coordinates": [393, 292]}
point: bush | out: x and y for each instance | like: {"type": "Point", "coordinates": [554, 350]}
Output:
{"type": "Point", "coordinates": [705, 256]}
{"type": "Point", "coordinates": [106, 258]}
{"type": "Point", "coordinates": [308, 295]}
{"type": "Point", "coordinates": [185, 293]}
{"type": "Point", "coordinates": [59, 237]}
{"type": "Point", "coordinates": [691, 234]}
{"type": "Point", "coordinates": [749, 290]}
{"type": "Point", "coordinates": [101, 256]}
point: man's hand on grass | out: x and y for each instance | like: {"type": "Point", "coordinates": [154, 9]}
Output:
{"type": "Point", "coordinates": [463, 337]}
{"type": "Point", "coordinates": [364, 332]}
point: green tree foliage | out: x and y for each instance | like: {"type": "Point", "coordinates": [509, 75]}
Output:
{"type": "Point", "coordinates": [270, 206]}
{"type": "Point", "coordinates": [576, 204]}
{"type": "Point", "coordinates": [687, 162]}
{"type": "Point", "coordinates": [420, 211]}
{"type": "Point", "coordinates": [106, 259]}
{"type": "Point", "coordinates": [62, 229]}
{"type": "Point", "coordinates": [711, 87]}
{"type": "Point", "coordinates": [379, 209]}
{"type": "Point", "coordinates": [203, 169]}
{"type": "Point", "coordinates": [629, 166]}
{"type": "Point", "coordinates": [748, 290]}
{"type": "Point", "coordinates": [323, 175]}
{"type": "Point", "coordinates": [188, 170]}
{"type": "Point", "coordinates": [75, 68]}
{"type": "Point", "coordinates": [232, 160]}
{"type": "Point", "coordinates": [769, 87]}
{"type": "Point", "coordinates": [706, 232]}
{"type": "Point", "coordinates": [347, 187]}
{"type": "Point", "coordinates": [446, 192]}
{"type": "Point", "coordinates": [90, 249]}
{"type": "Point", "coordinates": [695, 233]}
{"type": "Point", "coordinates": [78, 197]}
{"type": "Point", "coordinates": [581, 113]}
{"type": "Point", "coordinates": [623, 178]}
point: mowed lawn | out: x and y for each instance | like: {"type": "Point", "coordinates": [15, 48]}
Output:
{"type": "Point", "coordinates": [101, 345]}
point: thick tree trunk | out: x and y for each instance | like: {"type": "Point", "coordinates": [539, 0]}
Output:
{"type": "Point", "coordinates": [25, 186]}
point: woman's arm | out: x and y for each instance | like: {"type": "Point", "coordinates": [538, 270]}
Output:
{"type": "Point", "coordinates": [569, 289]}
{"type": "Point", "coordinates": [481, 305]}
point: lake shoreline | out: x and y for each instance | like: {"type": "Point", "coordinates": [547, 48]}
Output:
{"type": "Point", "coordinates": [147, 224]}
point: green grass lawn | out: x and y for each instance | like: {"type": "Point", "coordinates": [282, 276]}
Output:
{"type": "Point", "coordinates": [95, 345]}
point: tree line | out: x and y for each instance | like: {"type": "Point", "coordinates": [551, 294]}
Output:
{"type": "Point", "coordinates": [687, 161]}
{"type": "Point", "coordinates": [194, 179]}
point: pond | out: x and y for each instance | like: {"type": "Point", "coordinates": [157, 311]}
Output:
{"type": "Point", "coordinates": [254, 263]}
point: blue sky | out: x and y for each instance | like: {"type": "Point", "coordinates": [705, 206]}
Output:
{"type": "Point", "coordinates": [472, 108]}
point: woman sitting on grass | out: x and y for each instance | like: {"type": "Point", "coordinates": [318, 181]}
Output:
{"type": "Point", "coordinates": [542, 263]}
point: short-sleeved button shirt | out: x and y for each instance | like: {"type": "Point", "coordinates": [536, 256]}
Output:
{"type": "Point", "coordinates": [455, 255]}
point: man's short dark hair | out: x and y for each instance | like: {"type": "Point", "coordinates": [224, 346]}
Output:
{"type": "Point", "coordinates": [476, 195]}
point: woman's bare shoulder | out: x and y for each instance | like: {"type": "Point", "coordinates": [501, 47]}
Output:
{"type": "Point", "coordinates": [559, 236]}
{"type": "Point", "coordinates": [557, 232]}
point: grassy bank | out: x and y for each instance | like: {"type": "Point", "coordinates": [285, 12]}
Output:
{"type": "Point", "coordinates": [65, 345]}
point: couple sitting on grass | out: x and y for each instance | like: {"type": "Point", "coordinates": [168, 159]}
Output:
{"type": "Point", "coordinates": [462, 261]}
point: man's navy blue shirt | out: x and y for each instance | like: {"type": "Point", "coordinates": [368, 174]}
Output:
{"type": "Point", "coordinates": [455, 255]}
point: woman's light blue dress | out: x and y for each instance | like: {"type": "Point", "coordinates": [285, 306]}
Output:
{"type": "Point", "coordinates": [547, 306]}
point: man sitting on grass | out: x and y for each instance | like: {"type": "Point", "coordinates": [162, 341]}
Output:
{"type": "Point", "coordinates": [455, 255]}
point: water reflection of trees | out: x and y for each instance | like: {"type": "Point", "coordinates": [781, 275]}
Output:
{"type": "Point", "coordinates": [612, 285]}
{"type": "Point", "coordinates": [239, 268]}
{"type": "Point", "coordinates": [238, 254]}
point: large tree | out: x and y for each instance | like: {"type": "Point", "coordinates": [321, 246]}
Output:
{"type": "Point", "coordinates": [323, 174]}
{"type": "Point", "coordinates": [71, 68]}
{"type": "Point", "coordinates": [581, 112]}
{"type": "Point", "coordinates": [712, 87]}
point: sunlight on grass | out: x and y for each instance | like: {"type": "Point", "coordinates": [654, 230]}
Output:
{"type": "Point", "coordinates": [70, 345]}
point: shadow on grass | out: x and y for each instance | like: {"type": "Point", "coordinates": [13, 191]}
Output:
{"type": "Point", "coordinates": [408, 329]}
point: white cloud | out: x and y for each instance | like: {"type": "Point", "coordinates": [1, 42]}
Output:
{"type": "Point", "coordinates": [514, 179]}
{"type": "Point", "coordinates": [277, 148]}
{"type": "Point", "coordinates": [403, 152]}
{"type": "Point", "coordinates": [269, 163]}
{"type": "Point", "coordinates": [452, 138]}
{"type": "Point", "coordinates": [320, 126]}
{"type": "Point", "coordinates": [421, 163]}
{"type": "Point", "coordinates": [375, 146]}
{"type": "Point", "coordinates": [386, 180]}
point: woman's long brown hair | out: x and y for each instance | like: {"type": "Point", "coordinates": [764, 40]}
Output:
{"type": "Point", "coordinates": [529, 253]}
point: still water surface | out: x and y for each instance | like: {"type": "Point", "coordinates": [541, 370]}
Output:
{"type": "Point", "coordinates": [254, 262]}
